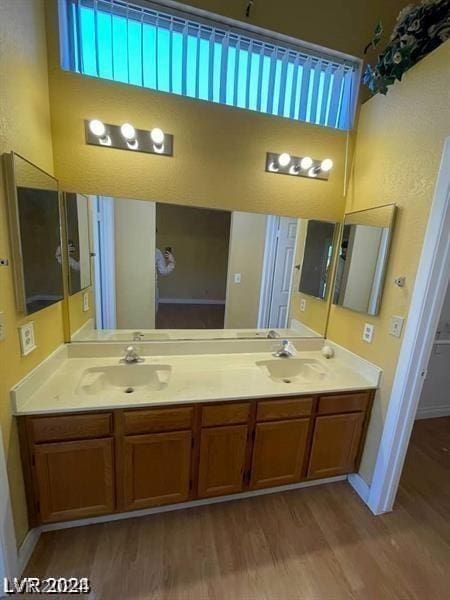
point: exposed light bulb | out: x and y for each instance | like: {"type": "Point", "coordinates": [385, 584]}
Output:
{"type": "Point", "coordinates": [312, 172]}
{"type": "Point", "coordinates": [284, 159]}
{"type": "Point", "coordinates": [326, 165]}
{"type": "Point", "coordinates": [157, 135]}
{"type": "Point", "coordinates": [128, 131]}
{"type": "Point", "coordinates": [97, 127]}
{"type": "Point", "coordinates": [306, 163]}
{"type": "Point", "coordinates": [294, 170]}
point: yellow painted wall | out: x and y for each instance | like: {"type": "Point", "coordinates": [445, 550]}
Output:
{"type": "Point", "coordinates": [219, 151]}
{"type": "Point", "coordinates": [25, 128]}
{"type": "Point", "coordinates": [398, 151]}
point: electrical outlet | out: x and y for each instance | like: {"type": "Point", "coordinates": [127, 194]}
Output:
{"type": "Point", "coordinates": [85, 301]}
{"type": "Point", "coordinates": [303, 305]}
{"type": "Point", "coordinates": [237, 278]}
{"type": "Point", "coordinates": [396, 326]}
{"type": "Point", "coordinates": [2, 327]}
{"type": "Point", "coordinates": [27, 340]}
{"type": "Point", "coordinates": [368, 333]}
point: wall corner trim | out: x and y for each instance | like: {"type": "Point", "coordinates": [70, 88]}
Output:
{"type": "Point", "coordinates": [360, 486]}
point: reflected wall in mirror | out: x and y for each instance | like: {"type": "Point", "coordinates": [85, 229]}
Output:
{"type": "Point", "coordinates": [362, 259]}
{"type": "Point", "coordinates": [78, 246]}
{"type": "Point", "coordinates": [317, 259]}
{"type": "Point", "coordinates": [164, 271]}
{"type": "Point", "coordinates": [35, 231]}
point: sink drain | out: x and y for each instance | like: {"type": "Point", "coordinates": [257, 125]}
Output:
{"type": "Point", "coordinates": [287, 381]}
{"type": "Point", "coordinates": [128, 390]}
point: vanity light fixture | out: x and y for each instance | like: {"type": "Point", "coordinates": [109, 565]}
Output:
{"type": "Point", "coordinates": [284, 159]}
{"type": "Point", "coordinates": [298, 166]}
{"type": "Point", "coordinates": [98, 129]}
{"type": "Point", "coordinates": [157, 136]}
{"type": "Point", "coordinates": [129, 133]}
{"type": "Point", "coordinates": [127, 137]}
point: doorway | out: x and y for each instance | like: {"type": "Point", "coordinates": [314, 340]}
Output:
{"type": "Point", "coordinates": [426, 305]}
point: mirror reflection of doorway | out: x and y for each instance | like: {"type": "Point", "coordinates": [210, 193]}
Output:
{"type": "Point", "coordinates": [192, 246]}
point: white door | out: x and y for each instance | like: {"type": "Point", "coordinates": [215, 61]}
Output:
{"type": "Point", "coordinates": [282, 272]}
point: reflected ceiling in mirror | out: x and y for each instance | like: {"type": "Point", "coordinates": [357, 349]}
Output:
{"type": "Point", "coordinates": [362, 259]}
{"type": "Point", "coordinates": [165, 271]}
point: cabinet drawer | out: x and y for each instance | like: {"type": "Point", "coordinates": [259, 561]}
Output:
{"type": "Point", "coordinates": [225, 414]}
{"type": "Point", "coordinates": [71, 427]}
{"type": "Point", "coordinates": [158, 420]}
{"type": "Point", "coordinates": [288, 408]}
{"type": "Point", "coordinates": [343, 403]}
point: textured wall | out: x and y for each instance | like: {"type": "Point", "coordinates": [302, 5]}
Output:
{"type": "Point", "coordinates": [25, 128]}
{"type": "Point", "coordinates": [398, 151]}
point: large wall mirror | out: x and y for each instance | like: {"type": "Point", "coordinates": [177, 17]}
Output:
{"type": "Point", "coordinates": [362, 259]}
{"type": "Point", "coordinates": [35, 230]}
{"type": "Point", "coordinates": [164, 271]}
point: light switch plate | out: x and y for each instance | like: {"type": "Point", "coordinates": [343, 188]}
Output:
{"type": "Point", "coordinates": [368, 333]}
{"type": "Point", "coordinates": [2, 327]}
{"type": "Point", "coordinates": [237, 278]}
{"type": "Point", "coordinates": [396, 326]}
{"type": "Point", "coordinates": [85, 301]}
{"type": "Point", "coordinates": [303, 305]}
{"type": "Point", "coordinates": [27, 340]}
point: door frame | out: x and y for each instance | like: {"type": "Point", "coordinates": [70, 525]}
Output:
{"type": "Point", "coordinates": [424, 313]}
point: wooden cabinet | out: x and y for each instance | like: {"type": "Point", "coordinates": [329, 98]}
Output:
{"type": "Point", "coordinates": [90, 464]}
{"type": "Point", "coordinates": [74, 479]}
{"type": "Point", "coordinates": [335, 444]}
{"type": "Point", "coordinates": [278, 453]}
{"type": "Point", "coordinates": [156, 469]}
{"type": "Point", "coordinates": [222, 460]}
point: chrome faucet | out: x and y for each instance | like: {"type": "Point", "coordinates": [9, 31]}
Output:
{"type": "Point", "coordinates": [131, 356]}
{"type": "Point", "coordinates": [286, 350]}
{"type": "Point", "coordinates": [273, 334]}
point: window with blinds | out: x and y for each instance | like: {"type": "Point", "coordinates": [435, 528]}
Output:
{"type": "Point", "coordinates": [186, 54]}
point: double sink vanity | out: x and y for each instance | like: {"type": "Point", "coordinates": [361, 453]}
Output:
{"type": "Point", "coordinates": [190, 421]}
{"type": "Point", "coordinates": [213, 404]}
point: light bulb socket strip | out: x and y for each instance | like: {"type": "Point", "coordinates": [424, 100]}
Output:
{"type": "Point", "coordinates": [142, 141]}
{"type": "Point", "coordinates": [293, 168]}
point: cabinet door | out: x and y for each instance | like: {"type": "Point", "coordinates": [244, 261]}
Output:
{"type": "Point", "coordinates": [74, 479]}
{"type": "Point", "coordinates": [335, 444]}
{"type": "Point", "coordinates": [278, 453]}
{"type": "Point", "coordinates": [222, 460]}
{"type": "Point", "coordinates": [157, 469]}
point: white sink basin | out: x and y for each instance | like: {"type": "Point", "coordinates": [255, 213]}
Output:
{"type": "Point", "coordinates": [289, 370]}
{"type": "Point", "coordinates": [127, 379]}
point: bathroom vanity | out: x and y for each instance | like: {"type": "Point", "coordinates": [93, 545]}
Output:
{"type": "Point", "coordinates": [113, 451]}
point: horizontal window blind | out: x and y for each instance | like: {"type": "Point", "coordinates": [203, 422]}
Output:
{"type": "Point", "coordinates": [176, 53]}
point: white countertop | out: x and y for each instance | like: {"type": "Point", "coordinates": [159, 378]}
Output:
{"type": "Point", "coordinates": [54, 386]}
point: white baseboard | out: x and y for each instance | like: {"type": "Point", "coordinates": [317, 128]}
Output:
{"type": "Point", "coordinates": [432, 412]}
{"type": "Point", "coordinates": [190, 301]}
{"type": "Point", "coordinates": [26, 549]}
{"type": "Point", "coordinates": [191, 504]}
{"type": "Point", "coordinates": [360, 486]}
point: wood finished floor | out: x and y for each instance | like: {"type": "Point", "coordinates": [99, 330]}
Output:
{"type": "Point", "coordinates": [317, 543]}
{"type": "Point", "coordinates": [190, 316]}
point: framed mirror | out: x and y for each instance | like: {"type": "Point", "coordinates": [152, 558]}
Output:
{"type": "Point", "coordinates": [164, 271]}
{"type": "Point", "coordinates": [78, 241]}
{"type": "Point", "coordinates": [35, 229]}
{"type": "Point", "coordinates": [362, 259]}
